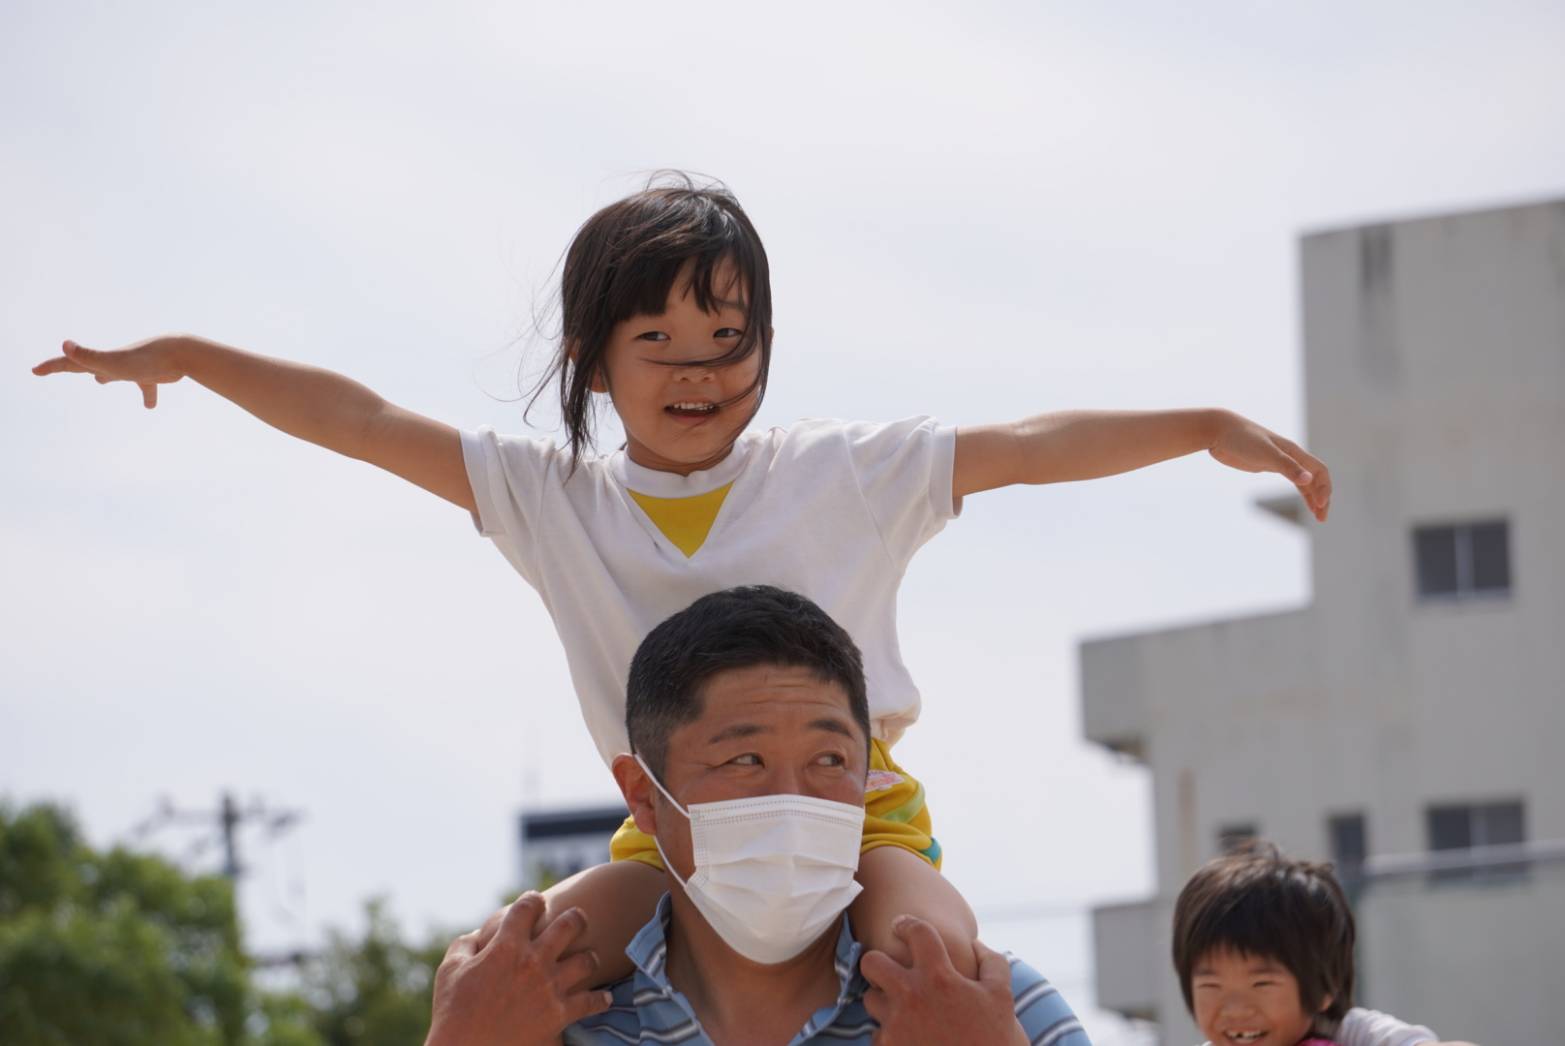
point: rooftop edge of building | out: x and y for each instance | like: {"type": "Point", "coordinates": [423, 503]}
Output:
{"type": "Point", "coordinates": [1310, 232]}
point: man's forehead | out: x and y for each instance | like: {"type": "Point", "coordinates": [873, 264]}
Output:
{"type": "Point", "coordinates": [773, 696]}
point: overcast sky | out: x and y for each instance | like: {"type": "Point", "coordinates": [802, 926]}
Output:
{"type": "Point", "coordinates": [975, 211]}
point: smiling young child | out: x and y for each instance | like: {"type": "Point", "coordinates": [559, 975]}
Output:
{"type": "Point", "coordinates": [1263, 946]}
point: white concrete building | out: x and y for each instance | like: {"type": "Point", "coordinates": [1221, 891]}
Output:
{"type": "Point", "coordinates": [1418, 703]}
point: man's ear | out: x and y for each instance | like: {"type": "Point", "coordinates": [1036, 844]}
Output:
{"type": "Point", "coordinates": [638, 790]}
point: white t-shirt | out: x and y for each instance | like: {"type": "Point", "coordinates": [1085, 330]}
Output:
{"type": "Point", "coordinates": [831, 510]}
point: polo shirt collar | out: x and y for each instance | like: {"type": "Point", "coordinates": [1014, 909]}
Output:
{"type": "Point", "coordinates": [648, 950]}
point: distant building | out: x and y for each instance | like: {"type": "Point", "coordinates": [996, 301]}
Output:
{"type": "Point", "coordinates": [1417, 705]}
{"type": "Point", "coordinates": [556, 844]}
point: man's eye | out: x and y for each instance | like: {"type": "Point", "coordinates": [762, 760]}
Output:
{"type": "Point", "coordinates": [748, 759]}
{"type": "Point", "coordinates": [832, 759]}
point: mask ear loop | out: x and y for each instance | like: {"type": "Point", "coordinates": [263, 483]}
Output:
{"type": "Point", "coordinates": [668, 866]}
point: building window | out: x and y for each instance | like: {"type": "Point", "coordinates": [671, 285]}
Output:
{"type": "Point", "coordinates": [1462, 560]}
{"type": "Point", "coordinates": [1474, 827]}
{"type": "Point", "coordinates": [1349, 839]}
{"type": "Point", "coordinates": [1231, 837]}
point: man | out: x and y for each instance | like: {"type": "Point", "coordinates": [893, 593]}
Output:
{"type": "Point", "coordinates": [747, 716]}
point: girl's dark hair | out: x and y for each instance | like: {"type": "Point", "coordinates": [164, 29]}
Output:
{"type": "Point", "coordinates": [623, 262]}
{"type": "Point", "coordinates": [1257, 902]}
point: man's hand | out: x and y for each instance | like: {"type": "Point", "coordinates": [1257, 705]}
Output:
{"type": "Point", "coordinates": [930, 1003]}
{"type": "Point", "coordinates": [1242, 444]}
{"type": "Point", "coordinates": [497, 985]}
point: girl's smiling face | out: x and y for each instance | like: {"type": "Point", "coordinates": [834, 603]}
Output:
{"type": "Point", "coordinates": [1247, 999]}
{"type": "Point", "coordinates": [681, 413]}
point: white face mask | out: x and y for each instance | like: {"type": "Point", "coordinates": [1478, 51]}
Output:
{"type": "Point", "coordinates": [771, 872]}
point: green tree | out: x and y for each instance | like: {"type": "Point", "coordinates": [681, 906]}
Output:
{"type": "Point", "coordinates": [124, 949]}
{"type": "Point", "coordinates": [370, 991]}
{"type": "Point", "coordinates": [115, 948]}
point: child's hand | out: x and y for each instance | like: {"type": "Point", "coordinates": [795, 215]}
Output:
{"type": "Point", "coordinates": [148, 363]}
{"type": "Point", "coordinates": [1242, 444]}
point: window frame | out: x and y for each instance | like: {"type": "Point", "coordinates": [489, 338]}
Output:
{"type": "Point", "coordinates": [1463, 561]}
{"type": "Point", "coordinates": [1480, 821]}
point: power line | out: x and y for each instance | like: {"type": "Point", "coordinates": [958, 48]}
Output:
{"type": "Point", "coordinates": [228, 819]}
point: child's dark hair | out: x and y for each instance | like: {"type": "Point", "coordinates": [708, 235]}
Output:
{"type": "Point", "coordinates": [1257, 902]}
{"type": "Point", "coordinates": [623, 262]}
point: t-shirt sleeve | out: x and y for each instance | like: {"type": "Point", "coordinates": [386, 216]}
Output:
{"type": "Point", "coordinates": [1044, 1014]}
{"type": "Point", "coordinates": [1363, 1027]}
{"type": "Point", "coordinates": [904, 471]}
{"type": "Point", "coordinates": [508, 475]}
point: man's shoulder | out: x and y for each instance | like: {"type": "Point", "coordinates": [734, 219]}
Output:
{"type": "Point", "coordinates": [1044, 1014]}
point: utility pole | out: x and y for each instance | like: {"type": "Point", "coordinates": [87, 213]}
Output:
{"type": "Point", "coordinates": [228, 818]}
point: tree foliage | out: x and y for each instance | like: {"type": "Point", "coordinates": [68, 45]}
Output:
{"type": "Point", "coordinates": [124, 949]}
{"type": "Point", "coordinates": [114, 948]}
{"type": "Point", "coordinates": [369, 991]}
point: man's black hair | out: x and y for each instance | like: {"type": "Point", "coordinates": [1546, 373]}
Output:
{"type": "Point", "coordinates": [735, 628]}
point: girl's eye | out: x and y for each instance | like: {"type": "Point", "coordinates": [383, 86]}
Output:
{"type": "Point", "coordinates": [729, 332]}
{"type": "Point", "coordinates": [652, 336]}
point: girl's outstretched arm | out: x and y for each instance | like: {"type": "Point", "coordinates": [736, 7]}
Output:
{"type": "Point", "coordinates": [1088, 444]}
{"type": "Point", "coordinates": [313, 404]}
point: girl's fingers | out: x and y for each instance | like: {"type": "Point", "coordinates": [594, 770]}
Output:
{"type": "Point", "coordinates": [88, 359]}
{"type": "Point", "coordinates": [1319, 493]}
{"type": "Point", "coordinates": [58, 365]}
{"type": "Point", "coordinates": [1289, 466]}
{"type": "Point", "coordinates": [149, 396]}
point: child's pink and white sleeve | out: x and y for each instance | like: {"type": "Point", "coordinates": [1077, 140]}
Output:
{"type": "Point", "coordinates": [1363, 1027]}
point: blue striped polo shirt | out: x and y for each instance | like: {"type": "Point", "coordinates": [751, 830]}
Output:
{"type": "Point", "coordinates": [647, 1009]}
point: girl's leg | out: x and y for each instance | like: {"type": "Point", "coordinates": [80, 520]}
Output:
{"type": "Point", "coordinates": [618, 899]}
{"type": "Point", "coordinates": [899, 882]}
